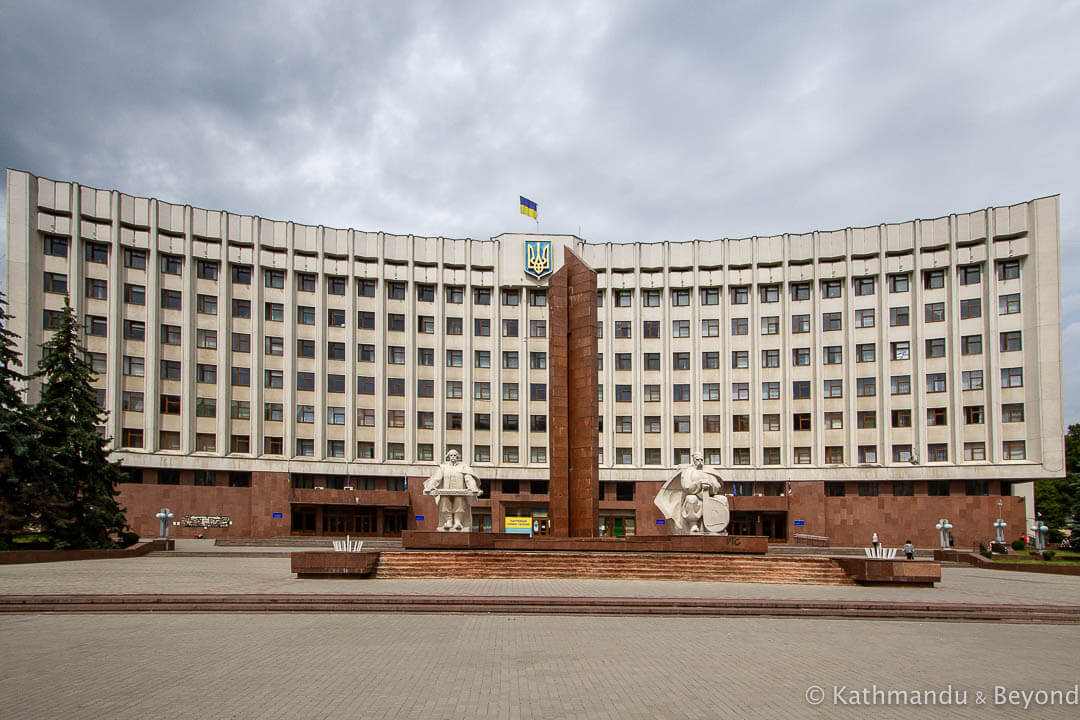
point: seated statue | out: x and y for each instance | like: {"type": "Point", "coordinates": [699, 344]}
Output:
{"type": "Point", "coordinates": [693, 500]}
{"type": "Point", "coordinates": [455, 488]}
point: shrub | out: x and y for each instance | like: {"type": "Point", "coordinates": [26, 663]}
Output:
{"type": "Point", "coordinates": [128, 539]}
{"type": "Point", "coordinates": [1048, 555]}
{"type": "Point", "coordinates": [1054, 537]}
{"type": "Point", "coordinates": [1018, 544]}
{"type": "Point", "coordinates": [987, 554]}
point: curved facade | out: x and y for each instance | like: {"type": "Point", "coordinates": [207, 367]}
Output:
{"type": "Point", "coordinates": [925, 351]}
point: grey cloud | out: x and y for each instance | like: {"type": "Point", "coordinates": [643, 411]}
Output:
{"type": "Point", "coordinates": [642, 121]}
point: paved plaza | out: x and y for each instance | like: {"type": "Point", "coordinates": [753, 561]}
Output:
{"type": "Point", "coordinates": [322, 665]}
{"type": "Point", "coordinates": [450, 666]}
{"type": "Point", "coordinates": [159, 573]}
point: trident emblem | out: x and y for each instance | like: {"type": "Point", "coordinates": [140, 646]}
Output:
{"type": "Point", "coordinates": [538, 257]}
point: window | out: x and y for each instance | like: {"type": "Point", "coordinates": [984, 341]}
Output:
{"type": "Point", "coordinates": [623, 360]}
{"type": "Point", "coordinates": [740, 456]}
{"type": "Point", "coordinates": [365, 450]}
{"type": "Point", "coordinates": [396, 387]}
{"type": "Point", "coordinates": [740, 326]}
{"type": "Point", "coordinates": [650, 329]}
{"type": "Point", "coordinates": [863, 286]}
{"type": "Point", "coordinates": [241, 274]}
{"type": "Point", "coordinates": [974, 451]}
{"type": "Point", "coordinates": [739, 391]}
{"type": "Point", "coordinates": [832, 321]}
{"type": "Point", "coordinates": [172, 264]}
{"type": "Point", "coordinates": [241, 410]}
{"type": "Point", "coordinates": [134, 259]}
{"type": "Point", "coordinates": [425, 419]}
{"type": "Point", "coordinates": [832, 355]}
{"type": "Point", "coordinates": [364, 287]}
{"type": "Point", "coordinates": [481, 358]}
{"type": "Point", "coordinates": [1012, 377]}
{"type": "Point", "coordinates": [136, 295]}
{"type": "Point", "coordinates": [241, 342]}
{"type": "Point", "coordinates": [935, 312]}
{"type": "Point", "coordinates": [770, 422]}
{"type": "Point", "coordinates": [769, 391]}
{"type": "Point", "coordinates": [170, 369]}
{"type": "Point", "coordinates": [650, 393]}
{"type": "Point", "coordinates": [364, 320]}
{"type": "Point", "coordinates": [834, 388]}
{"type": "Point", "coordinates": [206, 373]}
{"type": "Point", "coordinates": [711, 423]}
{"type": "Point", "coordinates": [241, 377]}
{"type": "Point", "coordinates": [625, 424]}
{"type": "Point", "coordinates": [710, 296]}
{"type": "Point", "coordinates": [868, 489]}
{"type": "Point", "coordinates": [770, 358]}
{"type": "Point", "coordinates": [801, 456]}
{"type": "Point", "coordinates": [273, 345]}
{"type": "Point", "coordinates": [832, 288]}
{"type": "Point", "coordinates": [425, 388]}
{"type": "Point", "coordinates": [132, 438]}
{"type": "Point", "coordinates": [971, 380]}
{"type": "Point", "coordinates": [834, 454]}
{"type": "Point", "coordinates": [1009, 304]}
{"type": "Point", "coordinates": [538, 391]}
{"type": "Point", "coordinates": [937, 416]}
{"type": "Point", "coordinates": [866, 387]}
{"type": "Point", "coordinates": [1008, 269]}
{"type": "Point", "coordinates": [800, 356]}
{"type": "Point", "coordinates": [933, 279]}
{"type": "Point", "coordinates": [740, 359]}
{"type": "Point", "coordinates": [171, 299]}
{"type": "Point", "coordinates": [481, 327]}
{"type": "Point", "coordinates": [769, 293]}
{"type": "Point", "coordinates": [335, 285]}
{"type": "Point", "coordinates": [709, 360]}
{"type": "Point", "coordinates": [1012, 412]}
{"type": "Point", "coordinates": [970, 308]}
{"type": "Point", "coordinates": [902, 453]}
{"type": "Point", "coordinates": [901, 418]}
{"type": "Point", "coordinates": [57, 283]}
{"type": "Point", "coordinates": [864, 318]}
{"type": "Point", "coordinates": [509, 391]}
{"type": "Point", "coordinates": [538, 454]}
{"type": "Point", "coordinates": [335, 318]}
{"type": "Point", "coordinates": [274, 312]}
{"type": "Point", "coordinates": [396, 291]}
{"type": "Point", "coordinates": [274, 412]}
{"type": "Point", "coordinates": [935, 382]}
{"type": "Point", "coordinates": [969, 274]}
{"type": "Point", "coordinates": [800, 422]}
{"type": "Point", "coordinates": [305, 282]}
{"type": "Point", "coordinates": [800, 390]}
{"type": "Point", "coordinates": [134, 330]}
{"type": "Point", "coordinates": [336, 416]}
{"type": "Point", "coordinates": [1014, 450]}
{"type": "Point", "coordinates": [170, 334]}
{"type": "Point", "coordinates": [206, 269]}
{"type": "Point", "coordinates": [899, 316]}
{"type": "Point", "coordinates": [623, 393]}
{"type": "Point", "coordinates": [971, 345]}
{"type": "Point", "coordinates": [800, 291]}
{"type": "Point", "coordinates": [740, 295]}
{"type": "Point", "coordinates": [133, 401]}
{"type": "Point", "coordinates": [241, 308]}
{"type": "Point", "coordinates": [1011, 341]}
{"type": "Point", "coordinates": [305, 381]}
{"type": "Point", "coordinates": [273, 278]}
{"type": "Point", "coordinates": [903, 488]}
{"type": "Point", "coordinates": [937, 452]}
{"type": "Point", "coordinates": [974, 415]}
{"type": "Point", "coordinates": [770, 325]}
{"type": "Point", "coordinates": [680, 328]}
{"type": "Point", "coordinates": [57, 247]}
{"type": "Point", "coordinates": [305, 413]}
{"type": "Point", "coordinates": [395, 355]}
{"type": "Point", "coordinates": [52, 319]}
{"type": "Point", "coordinates": [900, 350]}
{"type": "Point", "coordinates": [537, 298]}
{"type": "Point", "coordinates": [866, 419]}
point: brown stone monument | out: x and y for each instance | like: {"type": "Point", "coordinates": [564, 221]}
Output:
{"type": "Point", "coordinates": [573, 404]}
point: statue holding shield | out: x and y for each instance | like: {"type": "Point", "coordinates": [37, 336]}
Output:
{"type": "Point", "coordinates": [693, 501]}
{"type": "Point", "coordinates": [455, 487]}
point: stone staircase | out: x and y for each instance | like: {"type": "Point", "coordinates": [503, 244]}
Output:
{"type": "Point", "coordinates": [625, 565]}
{"type": "Point", "coordinates": [311, 541]}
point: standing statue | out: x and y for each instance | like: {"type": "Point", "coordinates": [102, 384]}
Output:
{"type": "Point", "coordinates": [693, 502]}
{"type": "Point", "coordinates": [455, 488]}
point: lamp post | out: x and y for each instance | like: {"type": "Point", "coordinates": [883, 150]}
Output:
{"type": "Point", "coordinates": [164, 515]}
{"type": "Point", "coordinates": [943, 528]}
{"type": "Point", "coordinates": [1000, 525]}
{"type": "Point", "coordinates": [1039, 529]}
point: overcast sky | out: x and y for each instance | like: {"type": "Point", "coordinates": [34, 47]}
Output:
{"type": "Point", "coordinates": [624, 121]}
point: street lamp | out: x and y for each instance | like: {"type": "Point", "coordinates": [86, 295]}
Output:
{"type": "Point", "coordinates": [1000, 525]}
{"type": "Point", "coordinates": [164, 515]}
{"type": "Point", "coordinates": [943, 528]}
{"type": "Point", "coordinates": [1039, 529]}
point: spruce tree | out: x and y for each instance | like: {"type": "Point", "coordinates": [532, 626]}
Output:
{"type": "Point", "coordinates": [20, 499]}
{"type": "Point", "coordinates": [78, 463]}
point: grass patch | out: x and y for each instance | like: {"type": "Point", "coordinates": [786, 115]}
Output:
{"type": "Point", "coordinates": [1034, 556]}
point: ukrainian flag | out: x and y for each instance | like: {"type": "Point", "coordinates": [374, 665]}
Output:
{"type": "Point", "coordinates": [528, 207]}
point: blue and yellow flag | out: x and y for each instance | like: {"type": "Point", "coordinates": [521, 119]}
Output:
{"type": "Point", "coordinates": [528, 207]}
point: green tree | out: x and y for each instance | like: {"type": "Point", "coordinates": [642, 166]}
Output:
{"type": "Point", "coordinates": [82, 476]}
{"type": "Point", "coordinates": [1072, 467]}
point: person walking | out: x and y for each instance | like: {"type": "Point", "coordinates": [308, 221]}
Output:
{"type": "Point", "coordinates": [909, 550]}
{"type": "Point", "coordinates": [875, 542]}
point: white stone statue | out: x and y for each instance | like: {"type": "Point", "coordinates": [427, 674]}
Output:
{"type": "Point", "coordinates": [454, 487]}
{"type": "Point", "coordinates": [693, 501]}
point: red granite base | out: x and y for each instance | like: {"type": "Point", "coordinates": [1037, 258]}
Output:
{"type": "Point", "coordinates": [334, 564]}
{"type": "Point", "coordinates": [867, 571]}
{"type": "Point", "coordinates": [751, 544]}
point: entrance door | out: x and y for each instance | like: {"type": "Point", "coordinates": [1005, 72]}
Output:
{"type": "Point", "coordinates": [774, 526]}
{"type": "Point", "coordinates": [335, 521]}
{"type": "Point", "coordinates": [619, 526]}
{"type": "Point", "coordinates": [542, 525]}
{"type": "Point", "coordinates": [303, 521]}
{"type": "Point", "coordinates": [364, 521]}
{"type": "Point", "coordinates": [393, 522]}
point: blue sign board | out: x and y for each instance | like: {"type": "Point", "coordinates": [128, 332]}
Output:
{"type": "Point", "coordinates": [660, 521]}
{"type": "Point", "coordinates": [419, 518]}
{"type": "Point", "coordinates": [278, 516]}
{"type": "Point", "coordinates": [800, 523]}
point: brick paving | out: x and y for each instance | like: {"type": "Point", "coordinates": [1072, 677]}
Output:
{"type": "Point", "coordinates": [158, 573]}
{"type": "Point", "coordinates": [446, 666]}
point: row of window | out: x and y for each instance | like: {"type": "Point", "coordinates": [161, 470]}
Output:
{"type": "Point", "coordinates": [205, 478]}
{"type": "Point", "coordinates": [939, 488]}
